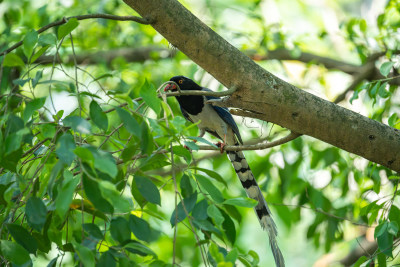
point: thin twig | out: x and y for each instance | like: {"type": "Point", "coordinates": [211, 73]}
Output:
{"type": "Point", "coordinates": [140, 20]}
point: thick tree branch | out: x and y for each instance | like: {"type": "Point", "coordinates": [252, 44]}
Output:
{"type": "Point", "coordinates": [267, 96]}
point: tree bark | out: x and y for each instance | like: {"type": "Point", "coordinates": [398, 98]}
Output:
{"type": "Point", "coordinates": [265, 96]}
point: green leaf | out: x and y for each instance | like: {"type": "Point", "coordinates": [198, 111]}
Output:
{"type": "Point", "coordinates": [149, 95]}
{"type": "Point", "coordinates": [105, 162]}
{"type": "Point", "coordinates": [13, 60]}
{"type": "Point", "coordinates": [36, 213]}
{"type": "Point", "coordinates": [208, 186]}
{"type": "Point", "coordinates": [229, 228]}
{"type": "Point", "coordinates": [385, 243]}
{"type": "Point", "coordinates": [374, 89]}
{"type": "Point", "coordinates": [130, 123]}
{"type": "Point", "coordinates": [23, 237]}
{"type": "Point", "coordinates": [93, 193]}
{"type": "Point", "coordinates": [84, 154]}
{"type": "Point", "coordinates": [382, 92]}
{"type": "Point", "coordinates": [381, 260]}
{"type": "Point", "coordinates": [14, 141]}
{"type": "Point", "coordinates": [179, 214]}
{"type": "Point", "coordinates": [148, 189]}
{"type": "Point", "coordinates": [146, 143]}
{"type": "Point", "coordinates": [200, 210]}
{"type": "Point", "coordinates": [360, 261]}
{"type": "Point", "coordinates": [393, 119]}
{"type": "Point", "coordinates": [85, 255]}
{"type": "Point", "coordinates": [241, 202]}
{"type": "Point", "coordinates": [93, 230]}
{"type": "Point", "coordinates": [386, 67]}
{"type": "Point", "coordinates": [232, 255]}
{"type": "Point", "coordinates": [186, 186]}
{"type": "Point", "coordinates": [191, 145]}
{"type": "Point", "coordinates": [47, 39]}
{"type": "Point", "coordinates": [212, 174]}
{"type": "Point", "coordinates": [32, 106]}
{"type": "Point", "coordinates": [140, 228]}
{"type": "Point", "coordinates": [182, 152]}
{"type": "Point", "coordinates": [65, 195]}
{"type": "Point", "coordinates": [38, 54]}
{"type": "Point", "coordinates": [53, 262]}
{"type": "Point", "coordinates": [111, 194]}
{"type": "Point", "coordinates": [393, 228]}
{"type": "Point", "coordinates": [202, 140]}
{"type": "Point", "coordinates": [106, 260]}
{"type": "Point", "coordinates": [21, 82]}
{"type": "Point", "coordinates": [128, 153]}
{"type": "Point", "coordinates": [35, 81]}
{"type": "Point", "coordinates": [14, 252]}
{"type": "Point", "coordinates": [214, 213]}
{"type": "Point", "coordinates": [65, 148]}
{"type": "Point", "coordinates": [98, 116]}
{"type": "Point", "coordinates": [138, 248]}
{"type": "Point", "coordinates": [78, 124]}
{"type": "Point", "coordinates": [119, 229]}
{"type": "Point", "coordinates": [206, 226]}
{"type": "Point", "coordinates": [137, 195]}
{"type": "Point", "coordinates": [30, 41]}
{"type": "Point", "coordinates": [67, 28]}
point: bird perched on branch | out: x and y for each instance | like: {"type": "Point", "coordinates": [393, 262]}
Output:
{"type": "Point", "coordinates": [219, 122]}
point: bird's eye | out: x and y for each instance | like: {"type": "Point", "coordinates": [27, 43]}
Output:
{"type": "Point", "coordinates": [180, 81]}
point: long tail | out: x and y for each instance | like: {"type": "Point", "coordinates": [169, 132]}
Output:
{"type": "Point", "coordinates": [253, 191]}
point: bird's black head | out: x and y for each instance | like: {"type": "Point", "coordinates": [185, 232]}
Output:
{"type": "Point", "coordinates": [184, 84]}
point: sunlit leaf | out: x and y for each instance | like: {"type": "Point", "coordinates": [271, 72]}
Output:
{"type": "Point", "coordinates": [215, 214]}
{"type": "Point", "coordinates": [13, 60]}
{"type": "Point", "coordinates": [14, 252]}
{"type": "Point", "coordinates": [30, 41]}
{"type": "Point", "coordinates": [111, 194]}
{"type": "Point", "coordinates": [149, 94]}
{"type": "Point", "coordinates": [211, 189]}
{"type": "Point", "coordinates": [129, 121]}
{"type": "Point", "coordinates": [182, 152]}
{"type": "Point", "coordinates": [386, 67]}
{"type": "Point", "coordinates": [241, 202]}
{"type": "Point", "coordinates": [32, 106]}
{"type": "Point", "coordinates": [67, 28]}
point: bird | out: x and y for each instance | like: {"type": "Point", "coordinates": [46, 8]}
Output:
{"type": "Point", "coordinates": [219, 122]}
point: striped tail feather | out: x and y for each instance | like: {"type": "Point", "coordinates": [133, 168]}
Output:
{"type": "Point", "coordinates": [253, 191]}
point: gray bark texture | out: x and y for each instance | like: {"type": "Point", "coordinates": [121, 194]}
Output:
{"type": "Point", "coordinates": [262, 95]}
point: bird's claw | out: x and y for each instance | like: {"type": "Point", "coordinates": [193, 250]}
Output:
{"type": "Point", "coordinates": [221, 146]}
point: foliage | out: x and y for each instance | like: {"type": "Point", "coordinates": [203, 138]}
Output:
{"type": "Point", "coordinates": [93, 167]}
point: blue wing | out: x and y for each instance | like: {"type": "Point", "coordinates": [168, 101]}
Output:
{"type": "Point", "coordinates": [226, 116]}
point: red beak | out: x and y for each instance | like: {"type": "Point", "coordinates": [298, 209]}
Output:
{"type": "Point", "coordinates": [170, 87]}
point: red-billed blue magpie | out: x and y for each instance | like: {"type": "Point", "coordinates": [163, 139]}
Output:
{"type": "Point", "coordinates": [219, 122]}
